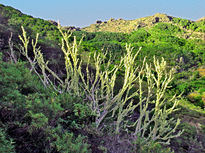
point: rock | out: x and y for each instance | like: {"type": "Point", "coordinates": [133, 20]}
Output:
{"type": "Point", "coordinates": [53, 22]}
{"type": "Point", "coordinates": [201, 19]}
{"type": "Point", "coordinates": [111, 19]}
{"type": "Point", "coordinates": [98, 22]}
{"type": "Point", "coordinates": [72, 28]}
{"type": "Point", "coordinates": [155, 20]}
{"type": "Point", "coordinates": [159, 17]}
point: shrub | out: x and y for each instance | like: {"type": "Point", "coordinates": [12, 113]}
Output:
{"type": "Point", "coordinates": [66, 142]}
{"type": "Point", "coordinates": [6, 144]}
{"type": "Point", "coordinates": [166, 27]}
{"type": "Point", "coordinates": [139, 36]}
{"type": "Point", "coordinates": [109, 36]}
{"type": "Point", "coordinates": [153, 147]}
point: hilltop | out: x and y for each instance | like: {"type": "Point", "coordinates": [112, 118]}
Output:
{"type": "Point", "coordinates": [193, 29]}
{"type": "Point", "coordinates": [126, 26]}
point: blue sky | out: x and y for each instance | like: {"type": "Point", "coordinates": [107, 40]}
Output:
{"type": "Point", "coordinates": [82, 13]}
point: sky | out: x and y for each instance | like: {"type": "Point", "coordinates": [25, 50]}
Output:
{"type": "Point", "coordinates": [82, 13]}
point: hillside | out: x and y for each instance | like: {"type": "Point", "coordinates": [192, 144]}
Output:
{"type": "Point", "coordinates": [126, 26]}
{"type": "Point", "coordinates": [99, 96]}
{"type": "Point", "coordinates": [193, 29]}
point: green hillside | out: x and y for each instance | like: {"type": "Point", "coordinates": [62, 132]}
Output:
{"type": "Point", "coordinates": [92, 90]}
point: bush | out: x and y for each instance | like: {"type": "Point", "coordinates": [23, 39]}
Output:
{"type": "Point", "coordinates": [87, 36]}
{"type": "Point", "coordinates": [182, 22]}
{"type": "Point", "coordinates": [166, 27]}
{"type": "Point", "coordinates": [139, 36]}
{"type": "Point", "coordinates": [109, 36]}
{"type": "Point", "coordinates": [66, 142]}
{"type": "Point", "coordinates": [153, 147]}
{"type": "Point", "coordinates": [6, 144]}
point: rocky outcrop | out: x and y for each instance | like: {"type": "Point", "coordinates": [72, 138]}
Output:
{"type": "Point", "coordinates": [53, 22]}
{"type": "Point", "coordinates": [72, 28]}
{"type": "Point", "coordinates": [159, 17]}
{"type": "Point", "coordinates": [201, 19]}
{"type": "Point", "coordinates": [127, 26]}
{"type": "Point", "coordinates": [98, 22]}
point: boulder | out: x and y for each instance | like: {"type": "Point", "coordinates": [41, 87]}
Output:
{"type": "Point", "coordinates": [72, 28]}
{"type": "Point", "coordinates": [98, 22]}
{"type": "Point", "coordinates": [53, 22]}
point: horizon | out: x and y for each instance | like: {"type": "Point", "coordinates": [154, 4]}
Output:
{"type": "Point", "coordinates": [82, 14]}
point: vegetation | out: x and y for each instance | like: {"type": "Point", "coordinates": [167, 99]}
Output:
{"type": "Point", "coordinates": [6, 145]}
{"type": "Point", "coordinates": [140, 90]}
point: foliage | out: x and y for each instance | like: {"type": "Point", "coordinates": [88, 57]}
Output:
{"type": "Point", "coordinates": [29, 112]}
{"type": "Point", "coordinates": [195, 26]}
{"type": "Point", "coordinates": [108, 36]}
{"type": "Point", "coordinates": [6, 145]}
{"type": "Point", "coordinates": [140, 35]}
{"type": "Point", "coordinates": [66, 142]}
{"type": "Point", "coordinates": [188, 142]}
{"type": "Point", "coordinates": [197, 99]}
{"type": "Point", "coordinates": [166, 27]}
{"type": "Point", "coordinates": [86, 35]}
{"type": "Point", "coordinates": [16, 83]}
{"type": "Point", "coordinates": [153, 147]}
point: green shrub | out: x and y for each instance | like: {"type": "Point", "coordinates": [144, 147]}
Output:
{"type": "Point", "coordinates": [87, 36]}
{"type": "Point", "coordinates": [109, 36]}
{"type": "Point", "coordinates": [43, 103]}
{"type": "Point", "coordinates": [66, 142]}
{"type": "Point", "coordinates": [153, 147]}
{"type": "Point", "coordinates": [6, 144]}
{"type": "Point", "coordinates": [39, 120]}
{"type": "Point", "coordinates": [139, 36]}
{"type": "Point", "coordinates": [16, 84]}
{"type": "Point", "coordinates": [166, 27]}
{"type": "Point", "coordinates": [81, 111]}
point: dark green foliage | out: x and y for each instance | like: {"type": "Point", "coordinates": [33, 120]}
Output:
{"type": "Point", "coordinates": [109, 36]}
{"type": "Point", "coordinates": [6, 144]}
{"type": "Point", "coordinates": [86, 35]}
{"type": "Point", "coordinates": [29, 113]}
{"type": "Point", "coordinates": [46, 103]}
{"type": "Point", "coordinates": [16, 84]}
{"type": "Point", "coordinates": [66, 142]}
{"type": "Point", "coordinates": [153, 147]}
{"type": "Point", "coordinates": [190, 85]}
